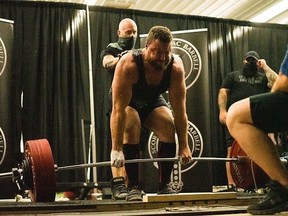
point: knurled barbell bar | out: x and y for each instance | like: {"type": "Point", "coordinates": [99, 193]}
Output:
{"type": "Point", "coordinates": [150, 160]}
{"type": "Point", "coordinates": [37, 172]}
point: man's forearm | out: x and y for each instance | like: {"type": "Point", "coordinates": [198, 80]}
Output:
{"type": "Point", "coordinates": [110, 62]}
{"type": "Point", "coordinates": [222, 105]}
{"type": "Point", "coordinates": [117, 130]}
{"type": "Point", "coordinates": [181, 126]}
{"type": "Point", "coordinates": [222, 101]}
{"type": "Point", "coordinates": [271, 75]}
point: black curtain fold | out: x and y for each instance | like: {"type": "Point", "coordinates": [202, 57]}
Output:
{"type": "Point", "coordinates": [51, 68]}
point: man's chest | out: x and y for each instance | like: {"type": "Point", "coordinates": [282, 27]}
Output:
{"type": "Point", "coordinates": [153, 78]}
{"type": "Point", "coordinates": [249, 80]}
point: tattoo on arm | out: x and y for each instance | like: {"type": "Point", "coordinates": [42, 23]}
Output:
{"type": "Point", "coordinates": [271, 76]}
{"type": "Point", "coordinates": [222, 105]}
{"type": "Point", "coordinates": [222, 100]}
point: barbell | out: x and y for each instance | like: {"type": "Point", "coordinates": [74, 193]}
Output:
{"type": "Point", "coordinates": [37, 171]}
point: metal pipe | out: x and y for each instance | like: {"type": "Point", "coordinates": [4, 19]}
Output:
{"type": "Point", "coordinates": [91, 91]}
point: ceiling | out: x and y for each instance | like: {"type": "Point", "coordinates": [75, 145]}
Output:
{"type": "Point", "coordinates": [275, 11]}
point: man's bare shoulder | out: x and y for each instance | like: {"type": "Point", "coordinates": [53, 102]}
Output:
{"type": "Point", "coordinates": [127, 67]}
{"type": "Point", "coordinates": [127, 61]}
{"type": "Point", "coordinates": [177, 64]}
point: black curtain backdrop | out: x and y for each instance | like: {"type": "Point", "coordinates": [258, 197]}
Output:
{"type": "Point", "coordinates": [7, 106]}
{"type": "Point", "coordinates": [50, 67]}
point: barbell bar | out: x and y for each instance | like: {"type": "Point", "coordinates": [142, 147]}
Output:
{"type": "Point", "coordinates": [37, 171]}
{"type": "Point", "coordinates": [5, 175]}
{"type": "Point", "coordinates": [149, 160]}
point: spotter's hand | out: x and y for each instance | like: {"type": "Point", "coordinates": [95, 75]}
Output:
{"type": "Point", "coordinates": [123, 53]}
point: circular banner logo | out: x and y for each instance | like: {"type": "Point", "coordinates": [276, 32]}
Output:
{"type": "Point", "coordinates": [191, 59]}
{"type": "Point", "coordinates": [195, 142]}
{"type": "Point", "coordinates": [2, 146]}
{"type": "Point", "coordinates": [3, 56]}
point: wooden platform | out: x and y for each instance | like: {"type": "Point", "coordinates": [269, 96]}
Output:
{"type": "Point", "coordinates": [189, 197]}
{"type": "Point", "coordinates": [152, 204]}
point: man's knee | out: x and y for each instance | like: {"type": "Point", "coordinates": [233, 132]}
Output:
{"type": "Point", "coordinates": [230, 119]}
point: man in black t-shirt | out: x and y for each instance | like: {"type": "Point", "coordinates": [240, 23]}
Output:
{"type": "Point", "coordinates": [127, 35]}
{"type": "Point", "coordinates": [241, 84]}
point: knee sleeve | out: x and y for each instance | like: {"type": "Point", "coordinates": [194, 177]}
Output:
{"type": "Point", "coordinates": [131, 151]}
{"type": "Point", "coordinates": [165, 150]}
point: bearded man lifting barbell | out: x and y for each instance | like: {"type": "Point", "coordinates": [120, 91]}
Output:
{"type": "Point", "coordinates": [140, 78]}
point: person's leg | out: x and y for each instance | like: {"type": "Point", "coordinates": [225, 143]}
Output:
{"type": "Point", "coordinates": [116, 172]}
{"type": "Point", "coordinates": [160, 121]}
{"type": "Point", "coordinates": [231, 184]}
{"type": "Point", "coordinates": [255, 142]}
{"type": "Point", "coordinates": [259, 147]}
{"type": "Point", "coordinates": [165, 150]}
{"type": "Point", "coordinates": [144, 137]}
{"type": "Point", "coordinates": [131, 151]}
{"type": "Point", "coordinates": [229, 141]}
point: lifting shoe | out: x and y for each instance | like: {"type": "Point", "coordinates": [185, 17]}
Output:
{"type": "Point", "coordinates": [118, 188]}
{"type": "Point", "coordinates": [166, 190]}
{"type": "Point", "coordinates": [135, 194]}
{"type": "Point", "coordinates": [275, 201]}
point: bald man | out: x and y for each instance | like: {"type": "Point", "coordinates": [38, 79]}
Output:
{"type": "Point", "coordinates": [127, 35]}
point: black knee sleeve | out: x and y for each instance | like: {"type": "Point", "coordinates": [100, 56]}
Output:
{"type": "Point", "coordinates": [165, 150]}
{"type": "Point", "coordinates": [131, 151]}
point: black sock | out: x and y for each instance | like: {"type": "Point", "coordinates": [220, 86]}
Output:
{"type": "Point", "coordinates": [131, 151]}
{"type": "Point", "coordinates": [165, 150]}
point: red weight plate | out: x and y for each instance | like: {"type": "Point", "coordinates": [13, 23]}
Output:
{"type": "Point", "coordinates": [246, 174]}
{"type": "Point", "coordinates": [39, 155]}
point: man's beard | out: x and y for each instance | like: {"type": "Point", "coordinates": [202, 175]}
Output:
{"type": "Point", "coordinates": [250, 69]}
{"type": "Point", "coordinates": [159, 65]}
